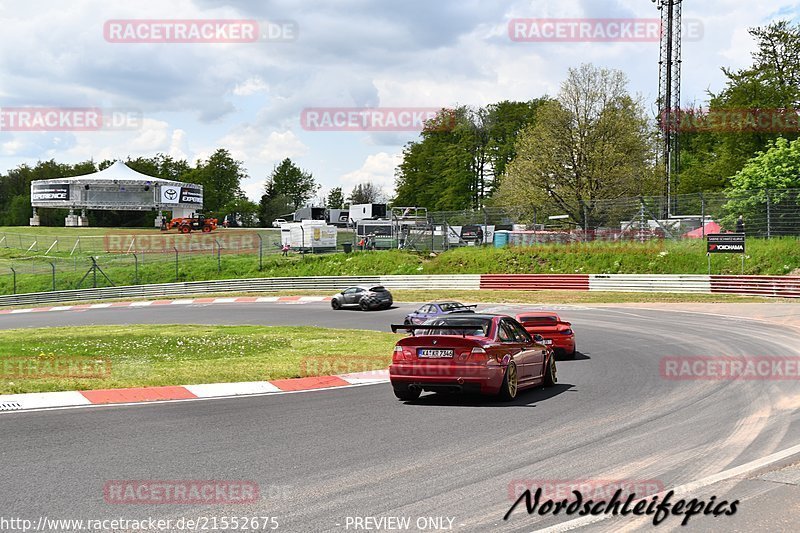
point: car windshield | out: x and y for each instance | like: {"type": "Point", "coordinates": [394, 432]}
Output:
{"type": "Point", "coordinates": [539, 321]}
{"type": "Point", "coordinates": [476, 327]}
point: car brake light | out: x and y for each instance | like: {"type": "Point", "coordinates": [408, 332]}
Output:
{"type": "Point", "coordinates": [478, 355]}
{"type": "Point", "coordinates": [567, 331]}
{"type": "Point", "coordinates": [398, 354]}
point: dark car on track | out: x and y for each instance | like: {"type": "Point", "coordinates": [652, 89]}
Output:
{"type": "Point", "coordinates": [482, 353]}
{"type": "Point", "coordinates": [558, 334]}
{"type": "Point", "coordinates": [366, 297]}
{"type": "Point", "coordinates": [435, 309]}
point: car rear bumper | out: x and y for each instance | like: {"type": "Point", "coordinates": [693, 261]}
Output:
{"type": "Point", "coordinates": [561, 343]}
{"type": "Point", "coordinates": [433, 377]}
{"type": "Point", "coordinates": [375, 303]}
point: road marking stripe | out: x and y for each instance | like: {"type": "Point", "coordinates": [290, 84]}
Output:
{"type": "Point", "coordinates": [155, 402]}
{"type": "Point", "coordinates": [215, 390]}
{"type": "Point", "coordinates": [685, 489]}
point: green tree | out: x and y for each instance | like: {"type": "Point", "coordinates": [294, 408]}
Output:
{"type": "Point", "coordinates": [461, 155]}
{"type": "Point", "coordinates": [710, 157]}
{"type": "Point", "coordinates": [220, 175]}
{"type": "Point", "coordinates": [769, 172]}
{"type": "Point", "coordinates": [272, 205]}
{"type": "Point", "coordinates": [365, 193]}
{"type": "Point", "coordinates": [335, 198]}
{"type": "Point", "coordinates": [296, 184]}
{"type": "Point", "coordinates": [593, 143]}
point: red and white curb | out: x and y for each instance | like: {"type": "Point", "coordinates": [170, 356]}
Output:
{"type": "Point", "coordinates": [181, 301]}
{"type": "Point", "coordinates": [48, 400]}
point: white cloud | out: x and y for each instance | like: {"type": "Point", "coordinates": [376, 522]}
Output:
{"type": "Point", "coordinates": [251, 86]}
{"type": "Point", "coordinates": [248, 97]}
{"type": "Point", "coordinates": [282, 145]}
{"type": "Point", "coordinates": [378, 169]}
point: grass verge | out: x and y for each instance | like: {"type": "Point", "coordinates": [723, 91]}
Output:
{"type": "Point", "coordinates": [765, 257]}
{"type": "Point", "coordinates": [37, 360]}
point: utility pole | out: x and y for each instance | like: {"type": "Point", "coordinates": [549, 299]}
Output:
{"type": "Point", "coordinates": [669, 92]}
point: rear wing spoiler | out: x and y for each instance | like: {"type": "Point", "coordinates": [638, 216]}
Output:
{"type": "Point", "coordinates": [413, 328]}
{"type": "Point", "coordinates": [464, 309]}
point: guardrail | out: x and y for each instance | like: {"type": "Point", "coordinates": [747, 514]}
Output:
{"type": "Point", "coordinates": [534, 282]}
{"type": "Point", "coordinates": [780, 286]}
{"type": "Point", "coordinates": [648, 283]}
{"type": "Point", "coordinates": [774, 286]}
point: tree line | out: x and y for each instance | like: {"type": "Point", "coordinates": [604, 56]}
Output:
{"type": "Point", "coordinates": [287, 188]}
{"type": "Point", "coordinates": [594, 141]}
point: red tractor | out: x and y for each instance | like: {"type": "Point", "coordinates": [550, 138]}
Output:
{"type": "Point", "coordinates": [187, 225]}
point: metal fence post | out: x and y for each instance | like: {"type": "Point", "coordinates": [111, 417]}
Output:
{"type": "Point", "coordinates": [585, 223]}
{"type": "Point", "coordinates": [219, 256]}
{"type": "Point", "coordinates": [135, 269]}
{"type": "Point", "coordinates": [703, 214]}
{"type": "Point", "coordinates": [14, 289]}
{"type": "Point", "coordinates": [260, 252]}
{"type": "Point", "coordinates": [769, 217]}
{"type": "Point", "coordinates": [176, 262]}
{"type": "Point", "coordinates": [53, 266]}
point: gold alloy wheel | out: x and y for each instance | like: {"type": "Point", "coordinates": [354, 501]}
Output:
{"type": "Point", "coordinates": [511, 380]}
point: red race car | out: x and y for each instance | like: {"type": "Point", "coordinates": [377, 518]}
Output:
{"type": "Point", "coordinates": [483, 353]}
{"type": "Point", "coordinates": [557, 333]}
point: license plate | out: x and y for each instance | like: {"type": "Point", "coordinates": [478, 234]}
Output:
{"type": "Point", "coordinates": [548, 341]}
{"type": "Point", "coordinates": [435, 354]}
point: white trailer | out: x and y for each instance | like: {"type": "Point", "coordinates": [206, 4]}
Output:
{"type": "Point", "coordinates": [363, 211]}
{"type": "Point", "coordinates": [309, 235]}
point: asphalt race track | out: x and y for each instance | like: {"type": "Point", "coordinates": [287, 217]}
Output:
{"type": "Point", "coordinates": [321, 457]}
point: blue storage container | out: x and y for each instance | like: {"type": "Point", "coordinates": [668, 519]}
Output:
{"type": "Point", "coordinates": [500, 239]}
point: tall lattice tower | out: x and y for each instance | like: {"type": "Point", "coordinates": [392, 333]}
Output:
{"type": "Point", "coordinates": [669, 92]}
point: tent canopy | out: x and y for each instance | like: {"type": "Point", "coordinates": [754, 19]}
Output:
{"type": "Point", "coordinates": [119, 171]}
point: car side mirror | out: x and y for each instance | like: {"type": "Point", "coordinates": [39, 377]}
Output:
{"type": "Point", "coordinates": [538, 338]}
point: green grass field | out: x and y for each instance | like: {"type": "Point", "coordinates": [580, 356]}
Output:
{"type": "Point", "coordinates": [152, 355]}
{"type": "Point", "coordinates": [34, 271]}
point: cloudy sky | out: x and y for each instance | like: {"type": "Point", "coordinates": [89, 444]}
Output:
{"type": "Point", "coordinates": [249, 97]}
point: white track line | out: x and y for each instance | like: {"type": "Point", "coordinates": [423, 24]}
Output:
{"type": "Point", "coordinates": [156, 402]}
{"type": "Point", "coordinates": [685, 489]}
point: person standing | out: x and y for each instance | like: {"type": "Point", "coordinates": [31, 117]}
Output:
{"type": "Point", "coordinates": [740, 224]}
